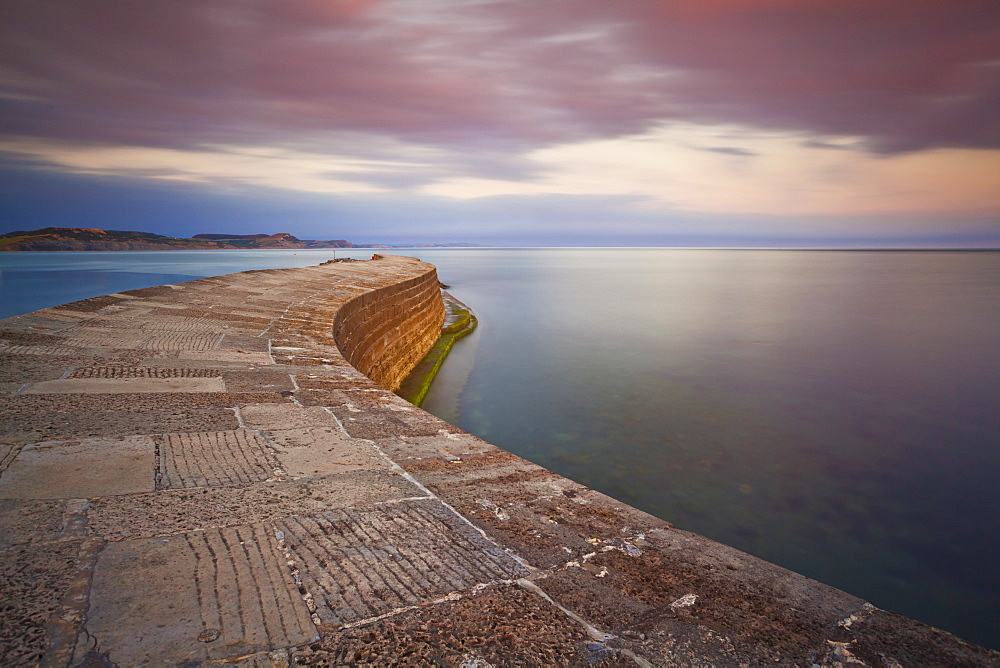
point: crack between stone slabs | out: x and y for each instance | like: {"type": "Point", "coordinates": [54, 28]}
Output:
{"type": "Point", "coordinates": [66, 625]}
{"type": "Point", "coordinates": [239, 417]}
{"type": "Point", "coordinates": [592, 631]}
{"type": "Point", "coordinates": [74, 520]}
{"type": "Point", "coordinates": [405, 500]}
{"type": "Point", "coordinates": [5, 462]}
{"type": "Point", "coordinates": [157, 464]}
{"type": "Point", "coordinates": [277, 657]}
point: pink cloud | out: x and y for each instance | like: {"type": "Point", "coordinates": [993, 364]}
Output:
{"type": "Point", "coordinates": [497, 77]}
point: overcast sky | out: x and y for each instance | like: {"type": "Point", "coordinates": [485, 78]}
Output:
{"type": "Point", "coordinates": [512, 122]}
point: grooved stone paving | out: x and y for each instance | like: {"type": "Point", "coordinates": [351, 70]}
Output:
{"type": "Point", "coordinates": [217, 473]}
{"type": "Point", "coordinates": [181, 341]}
{"type": "Point", "coordinates": [361, 564]}
{"type": "Point", "coordinates": [226, 592]}
{"type": "Point", "coordinates": [213, 458]}
{"type": "Point", "coordinates": [176, 324]}
{"type": "Point", "coordinates": [140, 372]}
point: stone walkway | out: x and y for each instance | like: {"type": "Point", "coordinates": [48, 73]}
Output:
{"type": "Point", "coordinates": [195, 474]}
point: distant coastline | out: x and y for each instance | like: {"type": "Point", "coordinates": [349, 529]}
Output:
{"type": "Point", "coordinates": [92, 239]}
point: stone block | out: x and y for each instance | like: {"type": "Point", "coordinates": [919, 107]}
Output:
{"type": "Point", "coordinates": [126, 385]}
{"type": "Point", "coordinates": [359, 564]}
{"type": "Point", "coordinates": [285, 416]}
{"type": "Point", "coordinates": [312, 450]}
{"type": "Point", "coordinates": [213, 458]}
{"type": "Point", "coordinates": [79, 469]}
{"type": "Point", "coordinates": [191, 598]}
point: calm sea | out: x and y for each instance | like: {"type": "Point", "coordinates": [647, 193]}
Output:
{"type": "Point", "coordinates": [835, 412]}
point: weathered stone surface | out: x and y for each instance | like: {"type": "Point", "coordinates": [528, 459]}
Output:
{"type": "Point", "coordinates": [236, 356]}
{"type": "Point", "coordinates": [30, 521]}
{"type": "Point", "coordinates": [80, 469]}
{"type": "Point", "coordinates": [304, 452]}
{"type": "Point", "coordinates": [125, 385]}
{"type": "Point", "coordinates": [213, 458]}
{"type": "Point", "coordinates": [176, 511]}
{"type": "Point", "coordinates": [257, 381]}
{"type": "Point", "coordinates": [360, 564]}
{"type": "Point", "coordinates": [31, 597]}
{"type": "Point", "coordinates": [141, 372]}
{"type": "Point", "coordinates": [285, 416]}
{"type": "Point", "coordinates": [193, 597]}
{"type": "Point", "coordinates": [196, 473]}
{"type": "Point", "coordinates": [8, 452]}
{"type": "Point", "coordinates": [500, 626]}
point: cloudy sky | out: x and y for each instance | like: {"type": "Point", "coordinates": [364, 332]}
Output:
{"type": "Point", "coordinates": [507, 122]}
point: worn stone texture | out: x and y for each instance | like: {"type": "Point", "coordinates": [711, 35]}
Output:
{"type": "Point", "coordinates": [325, 449]}
{"type": "Point", "coordinates": [215, 472]}
{"type": "Point", "coordinates": [212, 459]}
{"type": "Point", "coordinates": [220, 593]}
{"type": "Point", "coordinates": [80, 469]}
{"type": "Point", "coordinates": [125, 385]}
{"type": "Point", "coordinates": [176, 511]}
{"type": "Point", "coordinates": [34, 584]}
{"type": "Point", "coordinates": [393, 556]}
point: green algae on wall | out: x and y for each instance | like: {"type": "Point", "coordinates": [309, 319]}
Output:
{"type": "Point", "coordinates": [459, 322]}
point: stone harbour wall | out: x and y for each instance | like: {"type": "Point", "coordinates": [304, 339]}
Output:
{"type": "Point", "coordinates": [386, 332]}
{"type": "Point", "coordinates": [196, 474]}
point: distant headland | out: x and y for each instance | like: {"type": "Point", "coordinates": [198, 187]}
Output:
{"type": "Point", "coordinates": [92, 239]}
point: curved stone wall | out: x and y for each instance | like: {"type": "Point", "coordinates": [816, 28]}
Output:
{"type": "Point", "coordinates": [386, 332]}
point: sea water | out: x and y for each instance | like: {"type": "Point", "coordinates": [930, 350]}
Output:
{"type": "Point", "coordinates": [835, 412]}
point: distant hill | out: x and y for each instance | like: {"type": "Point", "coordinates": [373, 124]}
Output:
{"type": "Point", "coordinates": [92, 239]}
{"type": "Point", "coordinates": [230, 236]}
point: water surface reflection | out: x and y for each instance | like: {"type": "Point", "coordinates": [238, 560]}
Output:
{"type": "Point", "coordinates": [834, 412]}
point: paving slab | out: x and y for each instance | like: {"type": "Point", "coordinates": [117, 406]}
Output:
{"type": "Point", "coordinates": [194, 597]}
{"type": "Point", "coordinates": [213, 458]}
{"type": "Point", "coordinates": [361, 564]}
{"type": "Point", "coordinates": [171, 359]}
{"type": "Point", "coordinates": [271, 416]}
{"type": "Point", "coordinates": [141, 372]}
{"type": "Point", "coordinates": [506, 625]}
{"type": "Point", "coordinates": [244, 344]}
{"type": "Point", "coordinates": [126, 385]}
{"type": "Point", "coordinates": [311, 450]}
{"type": "Point", "coordinates": [80, 469]}
{"type": "Point", "coordinates": [239, 356]}
{"type": "Point", "coordinates": [30, 421]}
{"type": "Point", "coordinates": [448, 445]}
{"type": "Point", "coordinates": [258, 381]}
{"type": "Point", "coordinates": [168, 512]}
{"type": "Point", "coordinates": [35, 583]}
{"type": "Point", "coordinates": [24, 521]}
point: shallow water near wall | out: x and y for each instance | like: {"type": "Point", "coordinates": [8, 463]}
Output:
{"type": "Point", "coordinates": [833, 412]}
